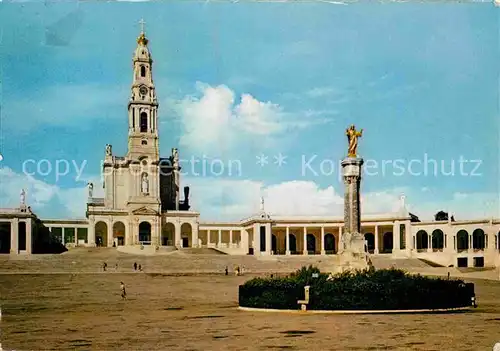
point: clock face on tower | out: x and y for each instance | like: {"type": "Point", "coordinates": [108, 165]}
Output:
{"type": "Point", "coordinates": [143, 90]}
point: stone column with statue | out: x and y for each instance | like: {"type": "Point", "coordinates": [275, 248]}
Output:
{"type": "Point", "coordinates": [352, 249]}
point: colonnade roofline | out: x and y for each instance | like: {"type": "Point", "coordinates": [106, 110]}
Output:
{"type": "Point", "coordinates": [64, 221]}
{"type": "Point", "coordinates": [180, 214]}
{"type": "Point", "coordinates": [460, 222]}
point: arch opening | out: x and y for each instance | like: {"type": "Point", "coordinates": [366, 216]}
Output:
{"type": "Point", "coordinates": [119, 233]}
{"type": "Point", "coordinates": [387, 241]}
{"type": "Point", "coordinates": [167, 234]}
{"type": "Point", "coordinates": [145, 233]}
{"type": "Point", "coordinates": [186, 235]}
{"type": "Point", "coordinates": [101, 234]}
{"type": "Point", "coordinates": [293, 243]}
{"type": "Point", "coordinates": [311, 244]}
{"type": "Point", "coordinates": [370, 242]}
{"type": "Point", "coordinates": [5, 237]}
{"type": "Point", "coordinates": [478, 240]}
{"type": "Point", "coordinates": [462, 240]}
{"type": "Point", "coordinates": [330, 244]}
{"type": "Point", "coordinates": [422, 240]}
{"type": "Point", "coordinates": [437, 240]}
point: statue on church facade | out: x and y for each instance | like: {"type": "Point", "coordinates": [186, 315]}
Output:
{"type": "Point", "coordinates": [175, 157]}
{"type": "Point", "coordinates": [108, 150]}
{"type": "Point", "coordinates": [145, 184]}
{"type": "Point", "coordinates": [262, 203]}
{"type": "Point", "coordinates": [176, 185]}
{"type": "Point", "coordinates": [23, 197]}
{"type": "Point", "coordinates": [90, 187]}
{"type": "Point", "coordinates": [352, 137]}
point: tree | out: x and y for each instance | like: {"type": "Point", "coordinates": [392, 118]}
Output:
{"type": "Point", "coordinates": [414, 218]}
{"type": "Point", "coordinates": [441, 216]}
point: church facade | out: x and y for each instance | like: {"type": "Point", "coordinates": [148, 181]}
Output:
{"type": "Point", "coordinates": [142, 209]}
{"type": "Point", "coordinates": [142, 202]}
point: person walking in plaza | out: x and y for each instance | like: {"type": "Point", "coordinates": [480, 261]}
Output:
{"type": "Point", "coordinates": [135, 266]}
{"type": "Point", "coordinates": [124, 293]}
{"type": "Point", "coordinates": [227, 270]}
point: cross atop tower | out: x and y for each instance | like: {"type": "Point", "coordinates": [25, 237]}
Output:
{"type": "Point", "coordinates": [142, 23]}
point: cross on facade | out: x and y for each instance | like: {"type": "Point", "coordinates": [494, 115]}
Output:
{"type": "Point", "coordinates": [142, 23]}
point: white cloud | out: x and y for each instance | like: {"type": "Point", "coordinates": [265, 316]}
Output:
{"type": "Point", "coordinates": [303, 198]}
{"type": "Point", "coordinates": [46, 200]}
{"type": "Point", "coordinates": [259, 117]}
{"type": "Point", "coordinates": [320, 92]}
{"type": "Point", "coordinates": [215, 120]}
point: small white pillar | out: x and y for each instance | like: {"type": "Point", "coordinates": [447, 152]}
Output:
{"type": "Point", "coordinates": [177, 235]}
{"type": "Point", "coordinates": [376, 251]}
{"type": "Point", "coordinates": [219, 242]}
{"type": "Point", "coordinates": [194, 239]}
{"type": "Point", "coordinates": [341, 240]}
{"type": "Point", "coordinates": [396, 236]}
{"type": "Point", "coordinates": [287, 250]}
{"type": "Point", "coordinates": [304, 249]}
{"type": "Point", "coordinates": [268, 238]}
{"type": "Point", "coordinates": [110, 234]}
{"type": "Point", "coordinates": [230, 238]}
{"type": "Point", "coordinates": [29, 238]}
{"type": "Point", "coordinates": [91, 234]}
{"type": "Point", "coordinates": [256, 239]}
{"type": "Point", "coordinates": [14, 235]}
{"type": "Point", "coordinates": [323, 240]}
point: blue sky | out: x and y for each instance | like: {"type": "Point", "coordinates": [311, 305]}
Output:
{"type": "Point", "coordinates": [237, 80]}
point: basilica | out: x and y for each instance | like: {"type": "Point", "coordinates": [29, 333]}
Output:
{"type": "Point", "coordinates": [145, 209]}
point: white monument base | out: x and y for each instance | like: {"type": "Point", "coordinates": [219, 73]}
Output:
{"type": "Point", "coordinates": [352, 256]}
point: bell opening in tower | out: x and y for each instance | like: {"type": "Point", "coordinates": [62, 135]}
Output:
{"type": "Point", "coordinates": [144, 122]}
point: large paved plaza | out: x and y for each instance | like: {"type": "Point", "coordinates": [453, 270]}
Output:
{"type": "Point", "coordinates": [83, 311]}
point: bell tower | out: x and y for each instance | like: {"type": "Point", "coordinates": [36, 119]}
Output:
{"type": "Point", "coordinates": [143, 105]}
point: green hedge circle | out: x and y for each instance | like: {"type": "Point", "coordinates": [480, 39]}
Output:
{"type": "Point", "coordinates": [387, 289]}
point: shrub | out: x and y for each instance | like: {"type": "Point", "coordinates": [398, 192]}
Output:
{"type": "Point", "coordinates": [387, 289]}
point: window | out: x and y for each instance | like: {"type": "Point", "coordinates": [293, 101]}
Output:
{"type": "Point", "coordinates": [143, 71]}
{"type": "Point", "coordinates": [144, 122]}
{"type": "Point", "coordinates": [144, 142]}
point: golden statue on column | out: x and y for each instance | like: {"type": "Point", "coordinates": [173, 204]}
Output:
{"type": "Point", "coordinates": [352, 137]}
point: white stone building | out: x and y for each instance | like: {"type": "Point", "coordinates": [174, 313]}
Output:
{"type": "Point", "coordinates": [142, 209]}
{"type": "Point", "coordinates": [141, 203]}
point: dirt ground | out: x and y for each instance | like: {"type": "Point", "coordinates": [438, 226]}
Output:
{"type": "Point", "coordinates": [86, 312]}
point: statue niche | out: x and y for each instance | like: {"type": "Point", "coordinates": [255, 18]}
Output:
{"type": "Point", "coordinates": [145, 184]}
